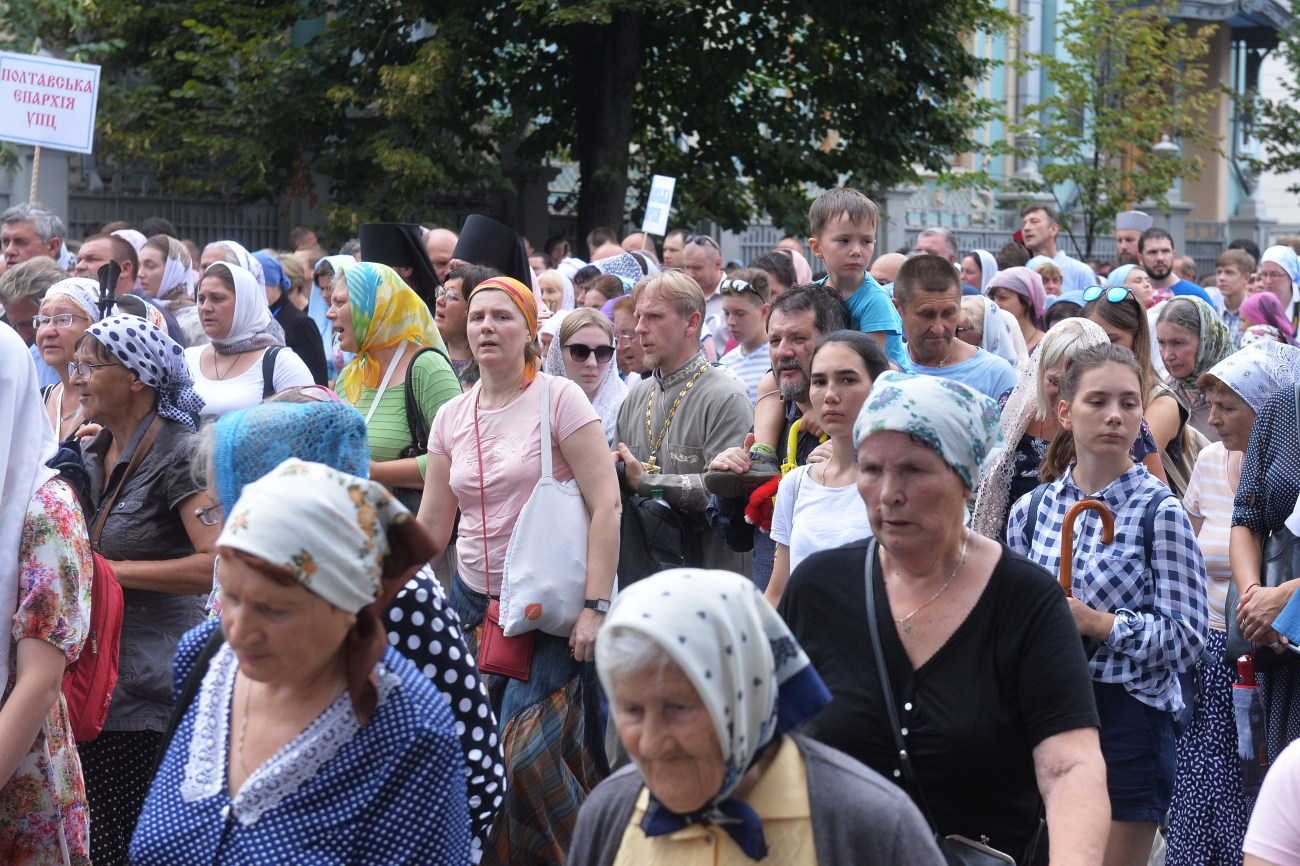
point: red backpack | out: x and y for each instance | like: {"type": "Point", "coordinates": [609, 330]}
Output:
{"type": "Point", "coordinates": [88, 682]}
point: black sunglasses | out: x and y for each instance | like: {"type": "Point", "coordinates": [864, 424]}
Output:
{"type": "Point", "coordinates": [701, 240]}
{"type": "Point", "coordinates": [581, 353]}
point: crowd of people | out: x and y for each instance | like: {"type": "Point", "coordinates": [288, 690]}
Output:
{"type": "Point", "coordinates": [904, 558]}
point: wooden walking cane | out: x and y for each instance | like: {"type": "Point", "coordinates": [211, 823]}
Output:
{"type": "Point", "coordinates": [1067, 536]}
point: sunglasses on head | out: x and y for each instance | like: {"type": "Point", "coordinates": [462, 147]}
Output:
{"type": "Point", "coordinates": [1114, 294]}
{"type": "Point", "coordinates": [581, 353]}
{"type": "Point", "coordinates": [732, 285]}
{"type": "Point", "coordinates": [702, 240]}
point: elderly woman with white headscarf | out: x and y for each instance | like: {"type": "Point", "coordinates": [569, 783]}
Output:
{"type": "Point", "coordinates": [45, 576]}
{"type": "Point", "coordinates": [707, 685]}
{"type": "Point", "coordinates": [246, 361]}
{"type": "Point", "coordinates": [167, 276]}
{"type": "Point", "coordinates": [1210, 809]}
{"type": "Point", "coordinates": [70, 306]}
{"type": "Point", "coordinates": [308, 738]}
{"type": "Point", "coordinates": [959, 631]}
{"type": "Point", "coordinates": [1279, 274]}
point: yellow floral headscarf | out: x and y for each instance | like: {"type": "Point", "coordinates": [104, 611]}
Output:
{"type": "Point", "coordinates": [384, 312]}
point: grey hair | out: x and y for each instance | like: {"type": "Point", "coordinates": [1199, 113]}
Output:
{"type": "Point", "coordinates": [1183, 313]}
{"type": "Point", "coordinates": [228, 255]}
{"type": "Point", "coordinates": [47, 223]}
{"type": "Point", "coordinates": [948, 237]}
{"type": "Point", "coordinates": [623, 652]}
{"type": "Point", "coordinates": [30, 279]}
{"type": "Point", "coordinates": [1061, 343]}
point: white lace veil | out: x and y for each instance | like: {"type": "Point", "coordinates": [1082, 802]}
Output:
{"type": "Point", "coordinates": [1024, 405]}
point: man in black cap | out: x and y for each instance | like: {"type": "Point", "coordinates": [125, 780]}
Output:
{"type": "Point", "coordinates": [400, 246]}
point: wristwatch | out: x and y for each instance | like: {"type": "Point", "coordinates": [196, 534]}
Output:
{"type": "Point", "coordinates": [600, 605]}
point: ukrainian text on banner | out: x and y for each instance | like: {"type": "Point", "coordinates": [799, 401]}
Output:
{"type": "Point", "coordinates": [48, 102]}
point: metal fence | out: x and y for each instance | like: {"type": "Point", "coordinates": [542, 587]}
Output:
{"type": "Point", "coordinates": [202, 220]}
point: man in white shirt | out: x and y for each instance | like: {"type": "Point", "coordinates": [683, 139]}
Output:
{"type": "Point", "coordinates": [702, 260]}
{"type": "Point", "coordinates": [1039, 227]}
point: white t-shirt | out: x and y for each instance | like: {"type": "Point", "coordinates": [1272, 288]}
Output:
{"type": "Point", "coordinates": [245, 390]}
{"type": "Point", "coordinates": [820, 519]}
{"type": "Point", "coordinates": [749, 369]}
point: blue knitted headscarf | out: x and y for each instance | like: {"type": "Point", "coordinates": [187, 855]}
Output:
{"type": "Point", "coordinates": [249, 443]}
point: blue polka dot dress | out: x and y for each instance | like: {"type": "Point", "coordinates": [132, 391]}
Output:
{"type": "Point", "coordinates": [390, 792]}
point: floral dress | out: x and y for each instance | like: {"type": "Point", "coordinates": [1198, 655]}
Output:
{"type": "Point", "coordinates": [43, 805]}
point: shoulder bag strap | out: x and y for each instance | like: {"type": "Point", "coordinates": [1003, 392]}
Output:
{"type": "Point", "coordinates": [141, 451]}
{"type": "Point", "coordinates": [882, 670]}
{"type": "Point", "coordinates": [482, 502]}
{"type": "Point", "coordinates": [268, 370]}
{"type": "Point", "coordinates": [388, 377]}
{"type": "Point", "coordinates": [546, 429]}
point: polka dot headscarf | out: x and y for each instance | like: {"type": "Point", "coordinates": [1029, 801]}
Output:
{"type": "Point", "coordinates": [157, 359]}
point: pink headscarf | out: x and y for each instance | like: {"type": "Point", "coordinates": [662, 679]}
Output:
{"type": "Point", "coordinates": [802, 270]}
{"type": "Point", "coordinates": [1024, 282]}
{"type": "Point", "coordinates": [1263, 308]}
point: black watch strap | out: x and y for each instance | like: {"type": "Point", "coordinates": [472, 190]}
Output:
{"type": "Point", "coordinates": [597, 604]}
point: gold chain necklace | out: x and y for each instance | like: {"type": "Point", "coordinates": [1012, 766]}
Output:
{"type": "Point", "coordinates": [652, 466]}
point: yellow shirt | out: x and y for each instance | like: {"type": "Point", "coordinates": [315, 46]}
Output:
{"type": "Point", "coordinates": [780, 798]}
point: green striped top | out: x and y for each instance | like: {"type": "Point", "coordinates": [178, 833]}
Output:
{"type": "Point", "coordinates": [434, 383]}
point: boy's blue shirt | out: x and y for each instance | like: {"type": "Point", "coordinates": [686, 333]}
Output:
{"type": "Point", "coordinates": [870, 309]}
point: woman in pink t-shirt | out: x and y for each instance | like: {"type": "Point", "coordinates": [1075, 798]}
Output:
{"type": "Point", "coordinates": [485, 458]}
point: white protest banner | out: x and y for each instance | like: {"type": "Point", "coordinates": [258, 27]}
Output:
{"type": "Point", "coordinates": [48, 102]}
{"type": "Point", "coordinates": [656, 208]}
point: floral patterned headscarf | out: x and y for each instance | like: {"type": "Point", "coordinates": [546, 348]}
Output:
{"type": "Point", "coordinates": [1216, 339]}
{"type": "Point", "coordinates": [385, 311]}
{"type": "Point", "coordinates": [958, 422]}
{"type": "Point", "coordinates": [334, 540]}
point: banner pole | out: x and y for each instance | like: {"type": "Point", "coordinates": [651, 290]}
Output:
{"type": "Point", "coordinates": [36, 172]}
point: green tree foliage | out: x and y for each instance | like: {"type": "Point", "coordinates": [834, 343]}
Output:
{"type": "Point", "coordinates": [1129, 76]}
{"type": "Point", "coordinates": [746, 103]}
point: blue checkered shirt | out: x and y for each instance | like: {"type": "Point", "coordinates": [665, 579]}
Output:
{"type": "Point", "coordinates": [1161, 615]}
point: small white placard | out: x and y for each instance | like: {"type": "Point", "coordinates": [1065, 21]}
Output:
{"type": "Point", "coordinates": [48, 102]}
{"type": "Point", "coordinates": [657, 206]}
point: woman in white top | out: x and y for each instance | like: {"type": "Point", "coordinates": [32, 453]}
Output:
{"type": "Point", "coordinates": [228, 373]}
{"type": "Point", "coordinates": [817, 505]}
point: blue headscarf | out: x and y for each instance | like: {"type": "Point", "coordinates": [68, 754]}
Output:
{"type": "Point", "coordinates": [249, 443]}
{"type": "Point", "coordinates": [272, 270]}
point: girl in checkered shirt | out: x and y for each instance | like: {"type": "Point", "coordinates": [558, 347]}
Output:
{"type": "Point", "coordinates": [1139, 602]}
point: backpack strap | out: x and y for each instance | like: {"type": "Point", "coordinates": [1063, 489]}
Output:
{"type": "Point", "coordinates": [415, 423]}
{"type": "Point", "coordinates": [1035, 502]}
{"type": "Point", "coordinates": [1149, 520]}
{"type": "Point", "coordinates": [268, 370]}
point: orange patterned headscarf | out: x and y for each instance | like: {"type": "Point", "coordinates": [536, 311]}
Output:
{"type": "Point", "coordinates": [523, 298]}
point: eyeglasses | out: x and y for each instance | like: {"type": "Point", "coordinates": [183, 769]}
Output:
{"type": "Point", "coordinates": [209, 515]}
{"type": "Point", "coordinates": [84, 370]}
{"type": "Point", "coordinates": [959, 330]}
{"type": "Point", "coordinates": [581, 353]}
{"type": "Point", "coordinates": [441, 294]}
{"type": "Point", "coordinates": [1271, 275]}
{"type": "Point", "coordinates": [62, 320]}
{"type": "Point", "coordinates": [731, 285]}
{"type": "Point", "coordinates": [324, 281]}
{"type": "Point", "coordinates": [701, 240]}
{"type": "Point", "coordinates": [1114, 294]}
